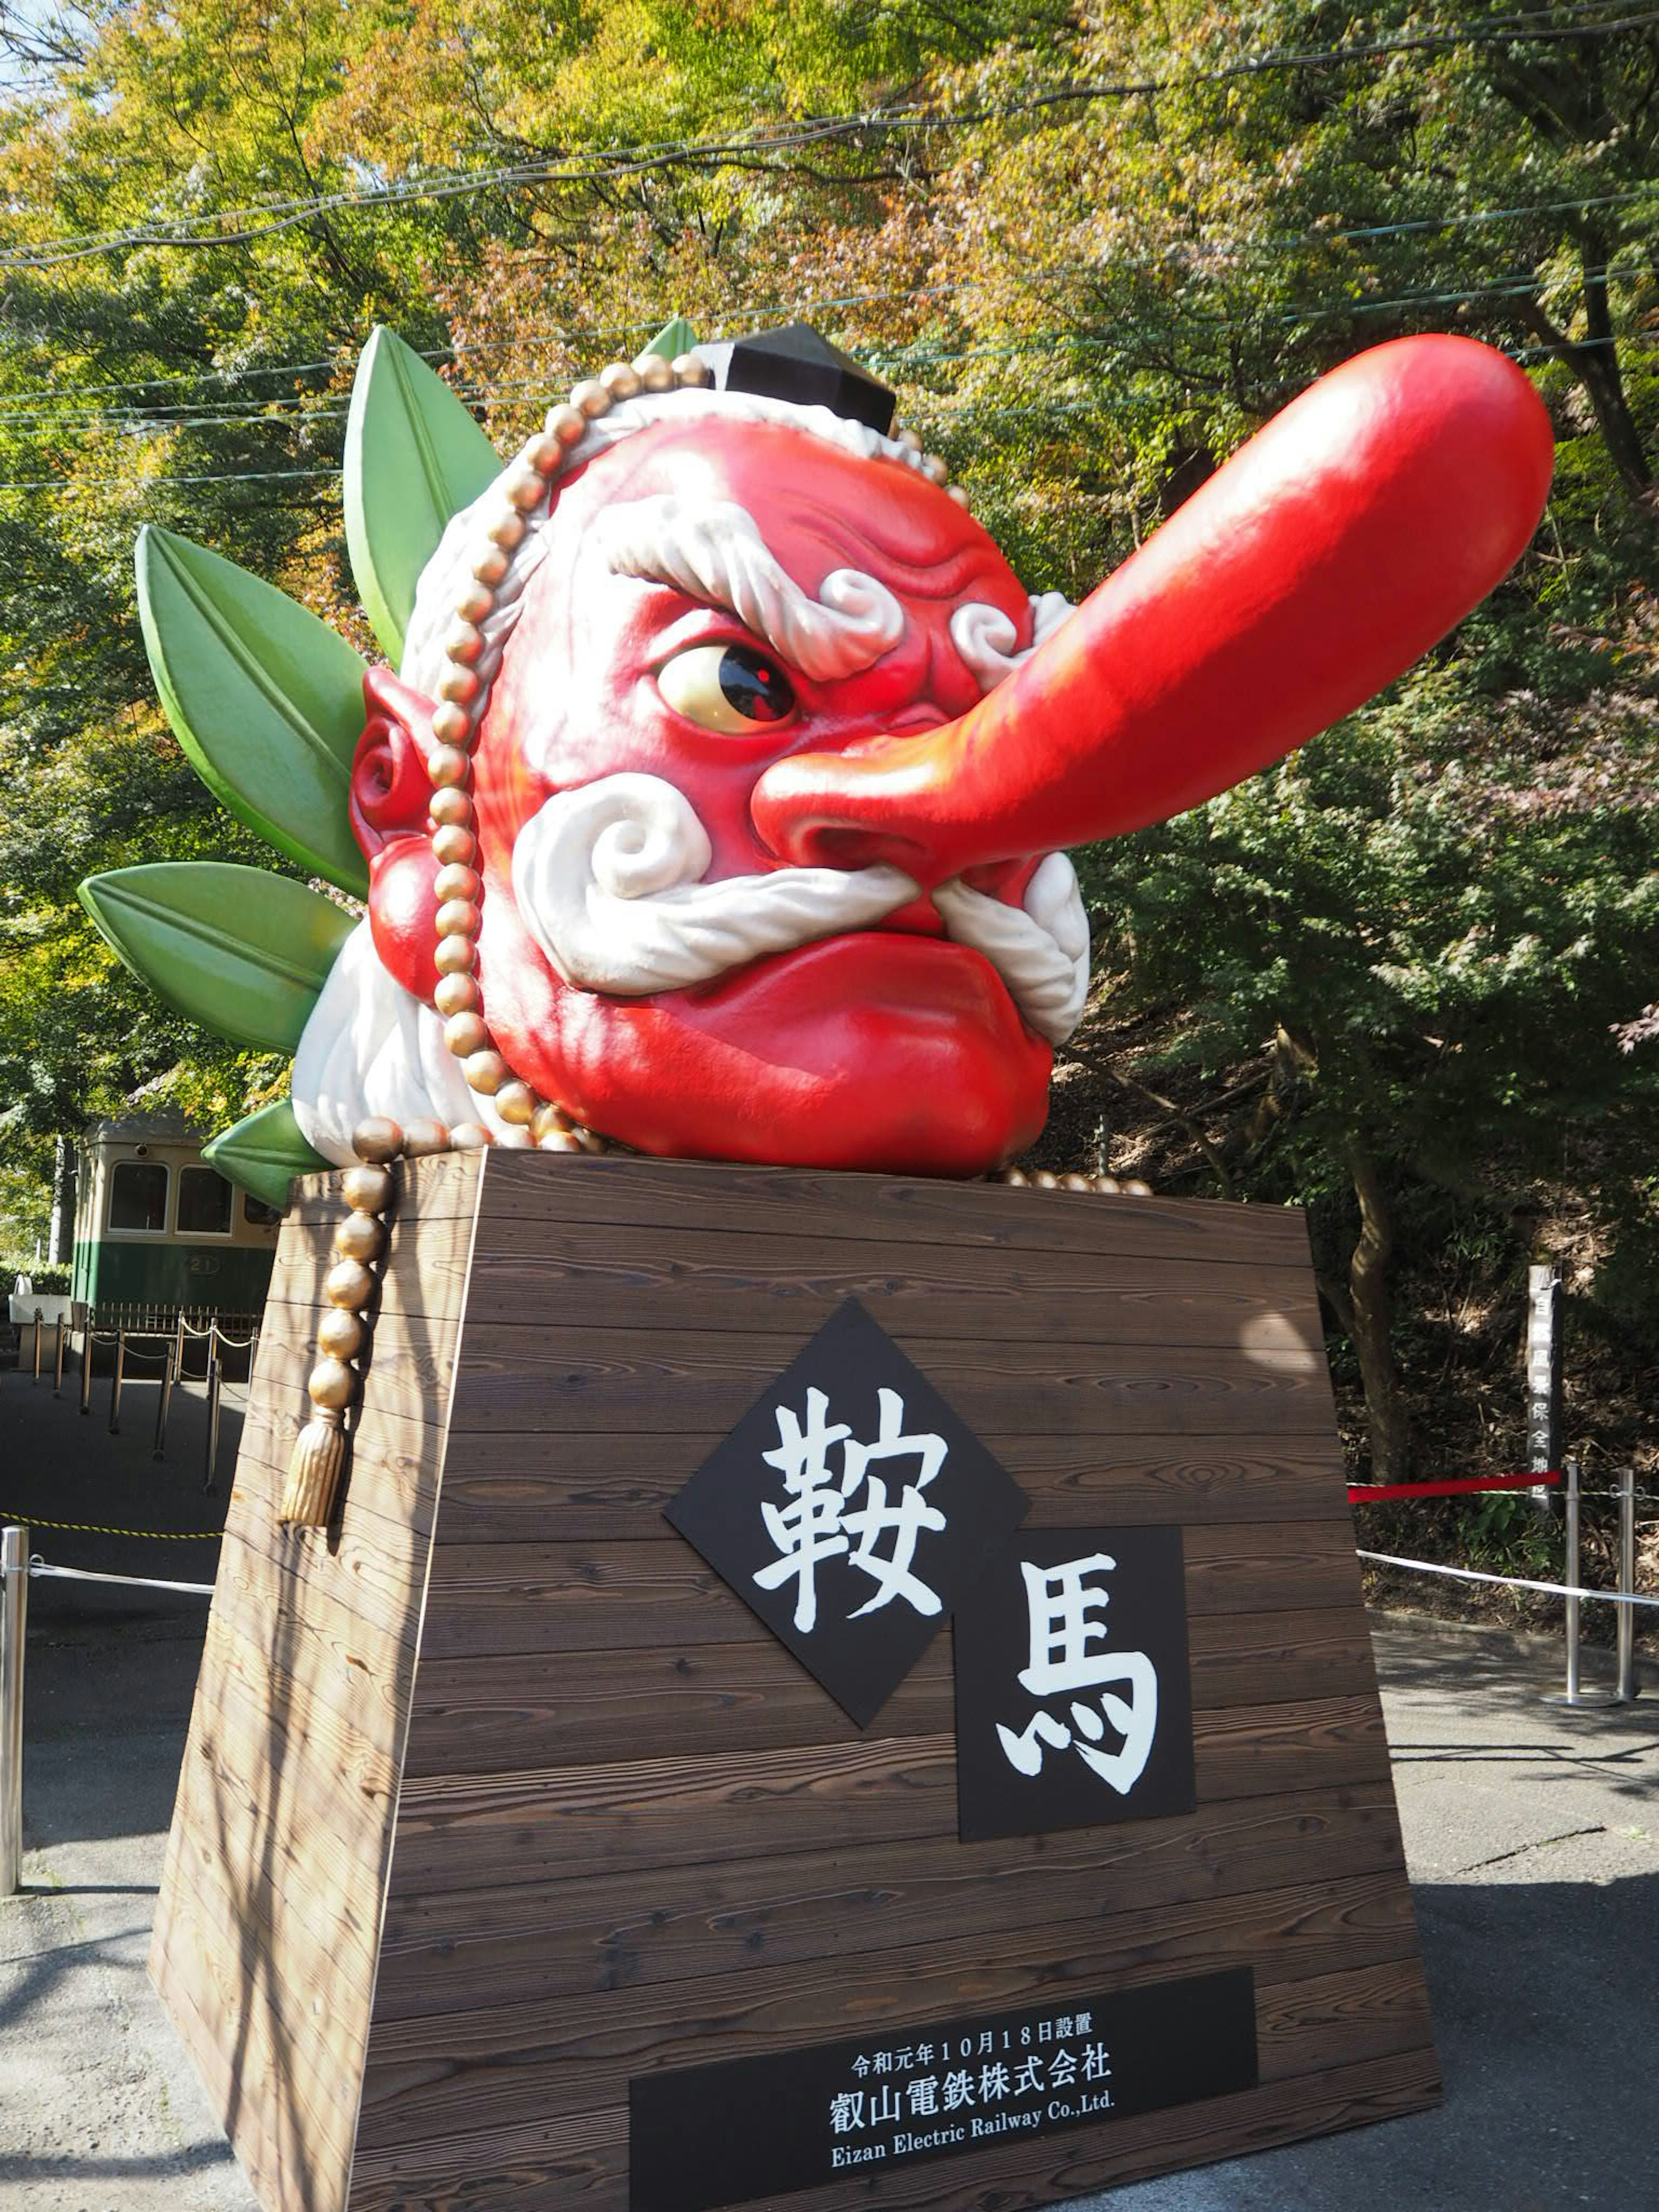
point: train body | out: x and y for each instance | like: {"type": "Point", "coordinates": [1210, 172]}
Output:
{"type": "Point", "coordinates": [156, 1228]}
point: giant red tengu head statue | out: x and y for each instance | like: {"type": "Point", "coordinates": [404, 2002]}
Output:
{"type": "Point", "coordinates": [720, 804]}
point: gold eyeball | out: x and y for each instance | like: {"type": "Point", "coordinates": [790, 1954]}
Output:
{"type": "Point", "coordinates": [367, 1190]}
{"type": "Point", "coordinates": [515, 1102]}
{"type": "Point", "coordinates": [377, 1139]}
{"type": "Point", "coordinates": [331, 1385]}
{"type": "Point", "coordinates": [451, 808]}
{"type": "Point", "coordinates": [424, 1137]}
{"type": "Point", "coordinates": [341, 1334]}
{"type": "Point", "coordinates": [348, 1284]}
{"type": "Point", "coordinates": [656, 375]}
{"type": "Point", "coordinates": [360, 1236]}
{"type": "Point", "coordinates": [456, 881]}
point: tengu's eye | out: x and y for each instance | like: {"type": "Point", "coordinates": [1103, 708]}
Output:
{"type": "Point", "coordinates": [730, 688]}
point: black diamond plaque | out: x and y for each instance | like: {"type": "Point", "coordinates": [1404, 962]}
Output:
{"type": "Point", "coordinates": [851, 1509]}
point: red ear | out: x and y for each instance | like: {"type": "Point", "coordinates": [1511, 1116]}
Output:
{"type": "Point", "coordinates": [390, 791]}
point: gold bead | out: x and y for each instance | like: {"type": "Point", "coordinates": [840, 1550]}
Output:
{"type": "Point", "coordinates": [455, 955]}
{"type": "Point", "coordinates": [909, 439]}
{"type": "Point", "coordinates": [592, 397]}
{"type": "Point", "coordinates": [558, 1140]}
{"type": "Point", "coordinates": [465, 1034]}
{"type": "Point", "coordinates": [544, 454]}
{"type": "Point", "coordinates": [331, 1385]}
{"type": "Point", "coordinates": [1045, 1180]}
{"type": "Point", "coordinates": [458, 684]}
{"type": "Point", "coordinates": [424, 1138]}
{"type": "Point", "coordinates": [515, 1102]}
{"type": "Point", "coordinates": [451, 808]}
{"type": "Point", "coordinates": [478, 601]}
{"type": "Point", "coordinates": [589, 1141]}
{"type": "Point", "coordinates": [378, 1139]}
{"type": "Point", "coordinates": [525, 489]}
{"type": "Point", "coordinates": [620, 381]}
{"type": "Point", "coordinates": [340, 1333]}
{"type": "Point", "coordinates": [1108, 1186]}
{"type": "Point", "coordinates": [549, 1120]}
{"type": "Point", "coordinates": [486, 1072]}
{"type": "Point", "coordinates": [957, 492]}
{"type": "Point", "coordinates": [1136, 1188]}
{"type": "Point", "coordinates": [691, 370]}
{"type": "Point", "coordinates": [490, 568]}
{"type": "Point", "coordinates": [360, 1236]}
{"type": "Point", "coordinates": [470, 1137]}
{"type": "Point", "coordinates": [366, 1188]}
{"type": "Point", "coordinates": [458, 917]}
{"type": "Point", "coordinates": [1075, 1182]}
{"type": "Point", "coordinates": [456, 881]}
{"type": "Point", "coordinates": [453, 847]}
{"type": "Point", "coordinates": [936, 471]}
{"type": "Point", "coordinates": [508, 530]}
{"type": "Point", "coordinates": [568, 424]}
{"type": "Point", "coordinates": [463, 643]}
{"type": "Point", "coordinates": [452, 728]}
{"type": "Point", "coordinates": [656, 375]}
{"type": "Point", "coordinates": [1014, 1177]}
{"type": "Point", "coordinates": [455, 994]}
{"type": "Point", "coordinates": [348, 1284]}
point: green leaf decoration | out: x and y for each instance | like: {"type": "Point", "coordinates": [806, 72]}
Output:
{"type": "Point", "coordinates": [414, 458]}
{"type": "Point", "coordinates": [264, 1152]}
{"type": "Point", "coordinates": [241, 952]}
{"type": "Point", "coordinates": [676, 337]}
{"type": "Point", "coordinates": [266, 699]}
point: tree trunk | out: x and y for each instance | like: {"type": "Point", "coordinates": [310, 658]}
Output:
{"type": "Point", "coordinates": [1595, 362]}
{"type": "Point", "coordinates": [1371, 1306]}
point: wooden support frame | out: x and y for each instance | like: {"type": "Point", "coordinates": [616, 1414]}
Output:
{"type": "Point", "coordinates": [496, 1797]}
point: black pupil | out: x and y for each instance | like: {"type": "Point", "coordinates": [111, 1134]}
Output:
{"type": "Point", "coordinates": [756, 689]}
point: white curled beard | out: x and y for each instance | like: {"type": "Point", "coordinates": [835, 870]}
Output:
{"type": "Point", "coordinates": [608, 878]}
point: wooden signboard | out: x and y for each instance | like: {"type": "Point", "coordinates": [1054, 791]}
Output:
{"type": "Point", "coordinates": [519, 1862]}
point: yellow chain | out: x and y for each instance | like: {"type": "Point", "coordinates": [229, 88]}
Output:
{"type": "Point", "coordinates": [98, 1529]}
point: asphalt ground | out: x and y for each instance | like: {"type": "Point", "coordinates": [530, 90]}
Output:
{"type": "Point", "coordinates": [1532, 1833]}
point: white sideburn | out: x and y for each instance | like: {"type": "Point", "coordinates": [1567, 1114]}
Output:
{"type": "Point", "coordinates": [370, 1047]}
{"type": "Point", "coordinates": [607, 878]}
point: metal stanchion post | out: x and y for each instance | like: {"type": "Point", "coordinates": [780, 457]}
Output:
{"type": "Point", "coordinates": [39, 1323]}
{"type": "Point", "coordinates": [115, 1382]}
{"type": "Point", "coordinates": [179, 1348]}
{"type": "Point", "coordinates": [1627, 1690]}
{"type": "Point", "coordinates": [14, 1615]}
{"type": "Point", "coordinates": [209, 1486]}
{"type": "Point", "coordinates": [86, 1364]}
{"type": "Point", "coordinates": [1574, 1694]}
{"type": "Point", "coordinates": [163, 1407]}
{"type": "Point", "coordinates": [57, 1362]}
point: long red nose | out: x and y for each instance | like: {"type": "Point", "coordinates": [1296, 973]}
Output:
{"type": "Point", "coordinates": [1332, 550]}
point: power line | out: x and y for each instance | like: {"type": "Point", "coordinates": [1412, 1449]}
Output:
{"type": "Point", "coordinates": [264, 219]}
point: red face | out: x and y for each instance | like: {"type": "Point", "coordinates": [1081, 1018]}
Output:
{"type": "Point", "coordinates": [889, 1046]}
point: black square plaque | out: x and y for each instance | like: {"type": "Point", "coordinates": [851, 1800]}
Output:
{"type": "Point", "coordinates": [852, 1509]}
{"type": "Point", "coordinates": [1073, 1695]}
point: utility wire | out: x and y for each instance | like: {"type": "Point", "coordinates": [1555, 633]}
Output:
{"type": "Point", "coordinates": [263, 219]}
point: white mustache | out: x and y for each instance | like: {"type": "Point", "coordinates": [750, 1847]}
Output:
{"type": "Point", "coordinates": [608, 880]}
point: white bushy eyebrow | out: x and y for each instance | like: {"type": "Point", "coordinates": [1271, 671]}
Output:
{"type": "Point", "coordinates": [712, 551]}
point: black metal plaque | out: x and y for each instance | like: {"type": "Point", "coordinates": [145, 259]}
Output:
{"type": "Point", "coordinates": [1073, 1693]}
{"type": "Point", "coordinates": [852, 1509]}
{"type": "Point", "coordinates": [701, 2137]}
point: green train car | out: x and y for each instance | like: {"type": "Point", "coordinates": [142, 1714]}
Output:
{"type": "Point", "coordinates": [156, 1228]}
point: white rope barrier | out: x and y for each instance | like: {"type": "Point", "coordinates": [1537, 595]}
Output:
{"type": "Point", "coordinates": [1506, 1581]}
{"type": "Point", "coordinates": [39, 1568]}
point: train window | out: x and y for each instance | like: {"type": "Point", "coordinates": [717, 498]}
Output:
{"type": "Point", "coordinates": [256, 1213]}
{"type": "Point", "coordinates": [138, 1198]}
{"type": "Point", "coordinates": [204, 1203]}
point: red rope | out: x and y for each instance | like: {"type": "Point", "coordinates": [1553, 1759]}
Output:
{"type": "Point", "coordinates": [1374, 1493]}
